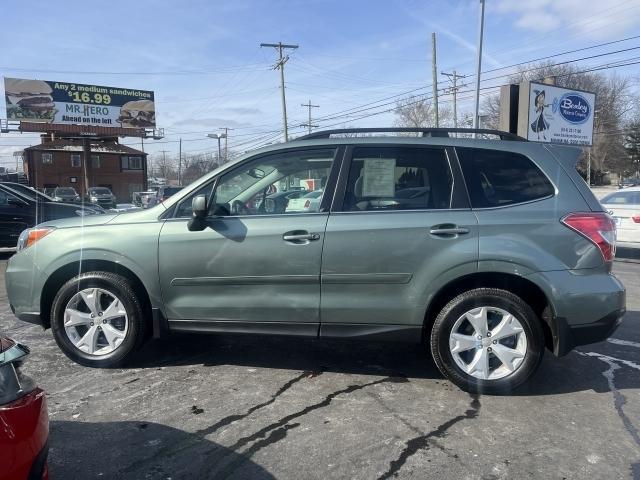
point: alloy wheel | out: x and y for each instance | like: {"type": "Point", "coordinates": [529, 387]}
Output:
{"type": "Point", "coordinates": [488, 343]}
{"type": "Point", "coordinates": [96, 321]}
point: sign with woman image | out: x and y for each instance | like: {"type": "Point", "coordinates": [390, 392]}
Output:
{"type": "Point", "coordinates": [560, 115]}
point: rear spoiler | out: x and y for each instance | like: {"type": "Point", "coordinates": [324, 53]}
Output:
{"type": "Point", "coordinates": [568, 157]}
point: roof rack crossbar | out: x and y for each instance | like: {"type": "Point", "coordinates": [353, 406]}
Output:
{"type": "Point", "coordinates": [426, 132]}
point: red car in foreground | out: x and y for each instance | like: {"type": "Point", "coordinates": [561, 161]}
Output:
{"type": "Point", "coordinates": [24, 423]}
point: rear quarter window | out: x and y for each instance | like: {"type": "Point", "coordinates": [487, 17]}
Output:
{"type": "Point", "coordinates": [496, 178]}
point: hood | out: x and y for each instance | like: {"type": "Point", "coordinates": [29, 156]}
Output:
{"type": "Point", "coordinates": [86, 221]}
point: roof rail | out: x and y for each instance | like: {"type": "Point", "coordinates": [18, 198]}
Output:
{"type": "Point", "coordinates": [426, 132]}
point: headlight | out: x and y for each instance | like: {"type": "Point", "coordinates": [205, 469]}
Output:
{"type": "Point", "coordinates": [57, 199]}
{"type": "Point", "coordinates": [31, 235]}
{"type": "Point", "coordinates": [94, 199]}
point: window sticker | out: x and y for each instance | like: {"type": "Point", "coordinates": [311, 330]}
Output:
{"type": "Point", "coordinates": [379, 177]}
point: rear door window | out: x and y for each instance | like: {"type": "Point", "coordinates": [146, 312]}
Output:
{"type": "Point", "coordinates": [497, 178]}
{"type": "Point", "coordinates": [398, 178]}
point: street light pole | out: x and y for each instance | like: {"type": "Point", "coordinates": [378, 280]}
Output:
{"type": "Point", "coordinates": [479, 67]}
{"type": "Point", "coordinates": [218, 136]}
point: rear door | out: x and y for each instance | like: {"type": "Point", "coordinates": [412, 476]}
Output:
{"type": "Point", "coordinates": [399, 228]}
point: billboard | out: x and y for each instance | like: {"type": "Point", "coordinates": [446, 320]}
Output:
{"type": "Point", "coordinates": [560, 115]}
{"type": "Point", "coordinates": [78, 104]}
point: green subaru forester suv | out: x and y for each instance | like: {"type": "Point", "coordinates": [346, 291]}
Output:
{"type": "Point", "coordinates": [486, 250]}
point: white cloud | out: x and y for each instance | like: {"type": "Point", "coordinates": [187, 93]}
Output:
{"type": "Point", "coordinates": [597, 18]}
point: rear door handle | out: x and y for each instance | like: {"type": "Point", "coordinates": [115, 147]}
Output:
{"type": "Point", "coordinates": [448, 231]}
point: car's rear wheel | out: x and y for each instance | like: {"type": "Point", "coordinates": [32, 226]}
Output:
{"type": "Point", "coordinates": [97, 319]}
{"type": "Point", "coordinates": [487, 341]}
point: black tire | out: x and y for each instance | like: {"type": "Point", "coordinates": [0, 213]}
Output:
{"type": "Point", "coordinates": [110, 282]}
{"type": "Point", "coordinates": [489, 297]}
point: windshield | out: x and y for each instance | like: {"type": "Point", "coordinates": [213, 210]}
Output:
{"type": "Point", "coordinates": [100, 191]}
{"type": "Point", "coordinates": [65, 191]}
{"type": "Point", "coordinates": [28, 191]}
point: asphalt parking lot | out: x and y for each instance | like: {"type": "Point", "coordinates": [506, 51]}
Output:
{"type": "Point", "coordinates": [202, 406]}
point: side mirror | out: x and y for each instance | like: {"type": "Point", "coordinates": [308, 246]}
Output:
{"type": "Point", "coordinates": [199, 208]}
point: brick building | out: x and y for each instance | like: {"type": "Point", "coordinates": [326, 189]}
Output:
{"type": "Point", "coordinates": [58, 163]}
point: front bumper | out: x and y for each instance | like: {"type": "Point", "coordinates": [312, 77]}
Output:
{"type": "Point", "coordinates": [24, 282]}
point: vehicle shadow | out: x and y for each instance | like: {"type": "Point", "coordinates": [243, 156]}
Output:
{"type": "Point", "coordinates": [578, 371]}
{"type": "Point", "coordinates": [152, 451]}
{"type": "Point", "coordinates": [297, 353]}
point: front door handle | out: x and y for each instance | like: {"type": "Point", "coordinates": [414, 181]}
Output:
{"type": "Point", "coordinates": [300, 237]}
{"type": "Point", "coordinates": [448, 231]}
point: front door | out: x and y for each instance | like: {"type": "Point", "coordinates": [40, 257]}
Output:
{"type": "Point", "coordinates": [256, 265]}
{"type": "Point", "coordinates": [403, 229]}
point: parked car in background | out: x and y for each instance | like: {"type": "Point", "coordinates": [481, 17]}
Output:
{"type": "Point", "coordinates": [487, 251]}
{"type": "Point", "coordinates": [141, 199]}
{"type": "Point", "coordinates": [624, 207]}
{"type": "Point", "coordinates": [102, 196]}
{"type": "Point", "coordinates": [164, 192]}
{"type": "Point", "coordinates": [629, 182]}
{"type": "Point", "coordinates": [309, 202]}
{"type": "Point", "coordinates": [277, 202]}
{"type": "Point", "coordinates": [24, 422]}
{"type": "Point", "coordinates": [35, 195]}
{"type": "Point", "coordinates": [28, 191]}
{"type": "Point", "coordinates": [66, 194]}
{"type": "Point", "coordinates": [19, 211]}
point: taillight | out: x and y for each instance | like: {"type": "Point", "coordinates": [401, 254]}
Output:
{"type": "Point", "coordinates": [597, 227]}
{"type": "Point", "coordinates": [636, 218]}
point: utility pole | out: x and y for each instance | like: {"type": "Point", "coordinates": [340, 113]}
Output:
{"type": "Point", "coordinates": [280, 65]}
{"type": "Point", "coordinates": [164, 163]}
{"type": "Point", "coordinates": [434, 71]}
{"type": "Point", "coordinates": [478, 70]}
{"type": "Point", "coordinates": [309, 124]}
{"type": "Point", "coordinates": [180, 163]}
{"type": "Point", "coordinates": [226, 142]}
{"type": "Point", "coordinates": [454, 90]}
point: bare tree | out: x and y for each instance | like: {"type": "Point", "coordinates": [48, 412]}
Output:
{"type": "Point", "coordinates": [162, 165]}
{"type": "Point", "coordinates": [417, 112]}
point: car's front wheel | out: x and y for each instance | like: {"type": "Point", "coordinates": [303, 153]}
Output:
{"type": "Point", "coordinates": [97, 319]}
{"type": "Point", "coordinates": [487, 341]}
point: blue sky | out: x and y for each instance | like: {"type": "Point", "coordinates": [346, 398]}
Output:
{"type": "Point", "coordinates": [203, 60]}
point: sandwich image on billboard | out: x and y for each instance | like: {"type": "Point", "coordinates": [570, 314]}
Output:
{"type": "Point", "coordinates": [139, 113]}
{"type": "Point", "coordinates": [29, 100]}
{"type": "Point", "coordinates": [78, 104]}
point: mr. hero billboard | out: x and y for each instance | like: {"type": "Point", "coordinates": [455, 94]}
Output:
{"type": "Point", "coordinates": [560, 115]}
{"type": "Point", "coordinates": [78, 104]}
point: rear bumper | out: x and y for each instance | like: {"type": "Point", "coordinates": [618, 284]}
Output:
{"type": "Point", "coordinates": [567, 337]}
{"type": "Point", "coordinates": [587, 306]}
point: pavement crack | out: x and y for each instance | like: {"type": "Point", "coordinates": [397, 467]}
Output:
{"type": "Point", "coordinates": [422, 441]}
{"type": "Point", "coordinates": [172, 450]}
{"type": "Point", "coordinates": [619, 400]}
{"type": "Point", "coordinates": [264, 432]}
{"type": "Point", "coordinates": [234, 418]}
{"type": "Point", "coordinates": [274, 437]}
{"type": "Point", "coordinates": [324, 403]}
